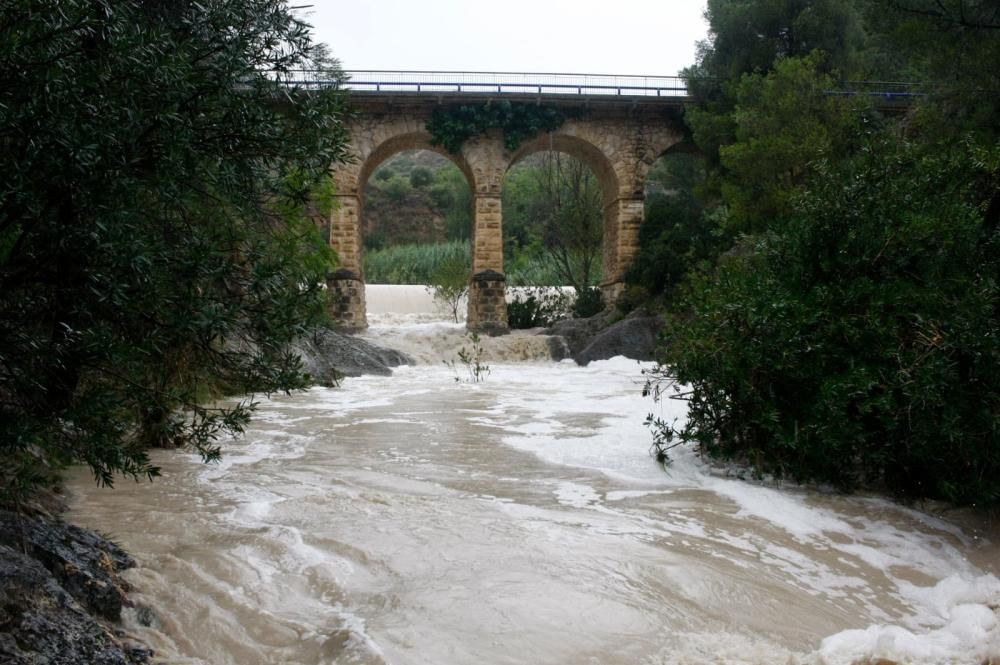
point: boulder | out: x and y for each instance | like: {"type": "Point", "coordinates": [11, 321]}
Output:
{"type": "Point", "coordinates": [571, 336]}
{"type": "Point", "coordinates": [329, 355]}
{"type": "Point", "coordinates": [634, 337]}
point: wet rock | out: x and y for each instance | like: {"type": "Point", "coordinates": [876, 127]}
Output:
{"type": "Point", "coordinates": [634, 338]}
{"type": "Point", "coordinates": [574, 335]}
{"type": "Point", "coordinates": [329, 355]}
{"type": "Point", "coordinates": [60, 595]}
{"type": "Point", "coordinates": [601, 337]}
{"type": "Point", "coordinates": [146, 616]}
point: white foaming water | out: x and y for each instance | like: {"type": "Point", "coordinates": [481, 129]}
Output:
{"type": "Point", "coordinates": [416, 519]}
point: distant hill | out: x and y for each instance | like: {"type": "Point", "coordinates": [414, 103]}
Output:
{"type": "Point", "coordinates": [418, 196]}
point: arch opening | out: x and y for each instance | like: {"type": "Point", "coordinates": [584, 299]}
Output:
{"type": "Point", "coordinates": [553, 205]}
{"type": "Point", "coordinates": [676, 234]}
{"type": "Point", "coordinates": [416, 219]}
{"type": "Point", "coordinates": [603, 212]}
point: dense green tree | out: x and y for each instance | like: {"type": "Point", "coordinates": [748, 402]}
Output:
{"type": "Point", "coordinates": [750, 36]}
{"type": "Point", "coordinates": [862, 343]}
{"type": "Point", "coordinates": [155, 223]}
{"type": "Point", "coordinates": [953, 46]}
{"type": "Point", "coordinates": [784, 123]}
{"type": "Point", "coordinates": [850, 335]}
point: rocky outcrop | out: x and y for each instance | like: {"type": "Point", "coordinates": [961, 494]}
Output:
{"type": "Point", "coordinates": [571, 336]}
{"type": "Point", "coordinates": [329, 355]}
{"type": "Point", "coordinates": [633, 338]}
{"type": "Point", "coordinates": [597, 338]}
{"type": "Point", "coordinates": [61, 595]}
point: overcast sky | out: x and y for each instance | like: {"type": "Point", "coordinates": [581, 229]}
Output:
{"type": "Point", "coordinates": [573, 36]}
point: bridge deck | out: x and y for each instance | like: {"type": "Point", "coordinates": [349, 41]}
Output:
{"type": "Point", "coordinates": [442, 86]}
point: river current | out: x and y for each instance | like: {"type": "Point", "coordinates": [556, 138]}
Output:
{"type": "Point", "coordinates": [422, 519]}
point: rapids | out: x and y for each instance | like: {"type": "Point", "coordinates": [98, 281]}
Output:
{"type": "Point", "coordinates": [419, 519]}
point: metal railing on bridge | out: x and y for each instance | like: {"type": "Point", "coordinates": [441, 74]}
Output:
{"type": "Point", "coordinates": [376, 81]}
{"type": "Point", "coordinates": [384, 81]}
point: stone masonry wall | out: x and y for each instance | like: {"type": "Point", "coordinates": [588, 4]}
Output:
{"type": "Point", "coordinates": [619, 142]}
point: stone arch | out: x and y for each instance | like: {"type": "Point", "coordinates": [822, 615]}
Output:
{"type": "Point", "coordinates": [577, 147]}
{"type": "Point", "coordinates": [393, 146]}
{"type": "Point", "coordinates": [373, 142]}
{"type": "Point", "coordinates": [599, 164]}
{"type": "Point", "coordinates": [671, 144]}
{"type": "Point", "coordinates": [409, 141]}
{"type": "Point", "coordinates": [602, 151]}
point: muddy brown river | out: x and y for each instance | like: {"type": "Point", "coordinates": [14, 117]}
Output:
{"type": "Point", "coordinates": [418, 519]}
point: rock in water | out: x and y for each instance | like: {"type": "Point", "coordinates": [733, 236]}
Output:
{"type": "Point", "coordinates": [576, 334]}
{"type": "Point", "coordinates": [596, 338]}
{"type": "Point", "coordinates": [329, 355]}
{"type": "Point", "coordinates": [633, 338]}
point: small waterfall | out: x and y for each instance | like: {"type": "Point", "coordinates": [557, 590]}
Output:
{"type": "Point", "coordinates": [408, 319]}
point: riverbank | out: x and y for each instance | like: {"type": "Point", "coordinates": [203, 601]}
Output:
{"type": "Point", "coordinates": [62, 595]}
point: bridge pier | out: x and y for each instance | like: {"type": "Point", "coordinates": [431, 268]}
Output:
{"type": "Point", "coordinates": [346, 286]}
{"type": "Point", "coordinates": [487, 288]}
{"type": "Point", "coordinates": [346, 291]}
{"type": "Point", "coordinates": [622, 219]}
{"type": "Point", "coordinates": [488, 303]}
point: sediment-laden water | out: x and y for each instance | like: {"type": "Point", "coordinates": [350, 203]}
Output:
{"type": "Point", "coordinates": [419, 519]}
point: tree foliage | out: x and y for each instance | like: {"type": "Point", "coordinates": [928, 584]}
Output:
{"type": "Point", "coordinates": [862, 343]}
{"type": "Point", "coordinates": [155, 224]}
{"type": "Point", "coordinates": [784, 123]}
{"type": "Point", "coordinates": [682, 230]}
{"type": "Point", "coordinates": [849, 334]}
{"type": "Point", "coordinates": [746, 37]}
{"type": "Point", "coordinates": [449, 282]}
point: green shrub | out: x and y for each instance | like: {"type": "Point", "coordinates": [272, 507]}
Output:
{"type": "Point", "coordinates": [537, 308]}
{"type": "Point", "coordinates": [449, 282]}
{"type": "Point", "coordinates": [420, 176]}
{"type": "Point", "coordinates": [862, 345]}
{"type": "Point", "coordinates": [588, 303]}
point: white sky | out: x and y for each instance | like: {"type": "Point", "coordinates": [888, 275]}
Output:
{"type": "Point", "coordinates": [653, 37]}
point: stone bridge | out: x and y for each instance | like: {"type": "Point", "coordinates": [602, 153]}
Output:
{"type": "Point", "coordinates": [621, 126]}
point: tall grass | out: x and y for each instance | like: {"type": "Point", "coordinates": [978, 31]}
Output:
{"type": "Point", "coordinates": [412, 264]}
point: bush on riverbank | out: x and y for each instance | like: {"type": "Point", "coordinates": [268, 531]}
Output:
{"type": "Point", "coordinates": [139, 264]}
{"type": "Point", "coordinates": [860, 346]}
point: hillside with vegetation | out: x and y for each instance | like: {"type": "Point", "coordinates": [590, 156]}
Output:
{"type": "Point", "coordinates": [417, 212]}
